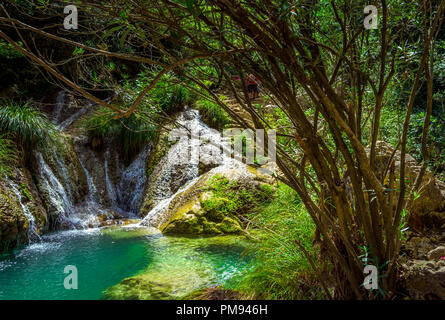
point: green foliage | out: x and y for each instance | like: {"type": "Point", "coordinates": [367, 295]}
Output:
{"type": "Point", "coordinates": [213, 114]}
{"type": "Point", "coordinates": [7, 51]}
{"type": "Point", "coordinates": [436, 140]}
{"type": "Point", "coordinates": [172, 99]}
{"type": "Point", "coordinates": [131, 133]}
{"type": "Point", "coordinates": [280, 270]}
{"type": "Point", "coordinates": [167, 95]}
{"type": "Point", "coordinates": [28, 126]}
{"type": "Point", "coordinates": [25, 191]}
{"type": "Point", "coordinates": [8, 155]}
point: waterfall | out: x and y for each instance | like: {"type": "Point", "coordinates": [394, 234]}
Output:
{"type": "Point", "coordinates": [157, 216]}
{"type": "Point", "coordinates": [57, 194]}
{"type": "Point", "coordinates": [205, 141]}
{"type": "Point", "coordinates": [125, 184]}
{"type": "Point", "coordinates": [110, 187]}
{"type": "Point", "coordinates": [60, 101]}
{"type": "Point", "coordinates": [32, 232]}
{"type": "Point", "coordinates": [132, 183]}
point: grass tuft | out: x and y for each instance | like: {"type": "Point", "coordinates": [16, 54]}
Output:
{"type": "Point", "coordinates": [26, 125]}
{"type": "Point", "coordinates": [213, 114]}
{"type": "Point", "coordinates": [130, 134]}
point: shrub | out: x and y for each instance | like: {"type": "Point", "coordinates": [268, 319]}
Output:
{"type": "Point", "coordinates": [171, 98]}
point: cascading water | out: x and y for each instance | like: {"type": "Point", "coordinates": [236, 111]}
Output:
{"type": "Point", "coordinates": [189, 151]}
{"type": "Point", "coordinates": [110, 187]}
{"type": "Point", "coordinates": [60, 203]}
{"type": "Point", "coordinates": [116, 189]}
{"type": "Point", "coordinates": [32, 233]}
{"type": "Point", "coordinates": [156, 216]}
{"type": "Point", "coordinates": [60, 102]}
{"type": "Point", "coordinates": [130, 189]}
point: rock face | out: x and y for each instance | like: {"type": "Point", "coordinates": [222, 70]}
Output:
{"type": "Point", "coordinates": [178, 157]}
{"type": "Point", "coordinates": [217, 202]}
{"type": "Point", "coordinates": [422, 273]}
{"type": "Point", "coordinates": [425, 280]}
{"type": "Point", "coordinates": [428, 209]}
{"type": "Point", "coordinates": [22, 216]}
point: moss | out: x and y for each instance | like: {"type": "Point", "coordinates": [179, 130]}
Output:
{"type": "Point", "coordinates": [219, 207]}
{"type": "Point", "coordinates": [13, 223]}
{"type": "Point", "coordinates": [25, 191]}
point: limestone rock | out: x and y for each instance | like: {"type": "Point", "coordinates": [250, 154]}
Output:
{"type": "Point", "coordinates": [437, 253]}
{"type": "Point", "coordinates": [426, 211]}
{"type": "Point", "coordinates": [217, 202]}
{"type": "Point", "coordinates": [18, 193]}
{"type": "Point", "coordinates": [425, 280]}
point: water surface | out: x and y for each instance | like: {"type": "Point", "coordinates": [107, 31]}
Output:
{"type": "Point", "coordinates": [106, 257]}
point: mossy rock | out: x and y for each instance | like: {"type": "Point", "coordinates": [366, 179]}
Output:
{"type": "Point", "coordinates": [13, 222]}
{"type": "Point", "coordinates": [217, 203]}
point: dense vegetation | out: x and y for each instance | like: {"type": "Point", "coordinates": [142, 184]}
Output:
{"type": "Point", "coordinates": [336, 89]}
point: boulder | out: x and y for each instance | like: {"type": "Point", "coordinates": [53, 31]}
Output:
{"type": "Point", "coordinates": [218, 202]}
{"type": "Point", "coordinates": [172, 164]}
{"type": "Point", "coordinates": [426, 210]}
{"type": "Point", "coordinates": [437, 254]}
{"type": "Point", "coordinates": [425, 280]}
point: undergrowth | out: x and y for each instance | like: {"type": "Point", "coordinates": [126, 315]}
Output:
{"type": "Point", "coordinates": [279, 269]}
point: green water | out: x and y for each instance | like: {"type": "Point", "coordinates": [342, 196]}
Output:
{"type": "Point", "coordinates": [125, 263]}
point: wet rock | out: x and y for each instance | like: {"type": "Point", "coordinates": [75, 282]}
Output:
{"type": "Point", "coordinates": [217, 202]}
{"type": "Point", "coordinates": [13, 223]}
{"type": "Point", "coordinates": [22, 216]}
{"type": "Point", "coordinates": [180, 155]}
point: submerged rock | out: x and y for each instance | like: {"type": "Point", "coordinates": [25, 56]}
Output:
{"type": "Point", "coordinates": [182, 266]}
